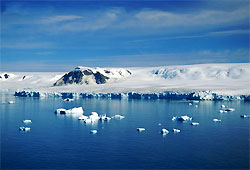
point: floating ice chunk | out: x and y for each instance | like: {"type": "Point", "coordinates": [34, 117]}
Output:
{"type": "Point", "coordinates": [216, 120]}
{"type": "Point", "coordinates": [82, 117]}
{"type": "Point", "coordinates": [93, 131]}
{"type": "Point", "coordinates": [196, 105]}
{"type": "Point", "coordinates": [94, 113]}
{"type": "Point", "coordinates": [176, 130]}
{"type": "Point", "coordinates": [24, 128]}
{"type": "Point", "coordinates": [195, 123]}
{"type": "Point", "coordinates": [103, 117]}
{"type": "Point", "coordinates": [75, 110]}
{"type": "Point", "coordinates": [190, 104]}
{"type": "Point", "coordinates": [88, 120]}
{"type": "Point", "coordinates": [27, 121]}
{"type": "Point", "coordinates": [140, 129]}
{"type": "Point", "coordinates": [174, 118]}
{"type": "Point", "coordinates": [229, 110]}
{"type": "Point", "coordinates": [11, 102]}
{"type": "Point", "coordinates": [223, 106]}
{"type": "Point", "coordinates": [182, 118]}
{"type": "Point", "coordinates": [107, 118]}
{"type": "Point", "coordinates": [118, 117]}
{"type": "Point", "coordinates": [159, 124]}
{"type": "Point", "coordinates": [61, 111]}
{"type": "Point", "coordinates": [164, 131]}
{"type": "Point", "coordinates": [245, 116]}
{"type": "Point", "coordinates": [196, 101]}
{"type": "Point", "coordinates": [94, 116]}
{"type": "Point", "coordinates": [68, 100]}
{"type": "Point", "coordinates": [221, 111]}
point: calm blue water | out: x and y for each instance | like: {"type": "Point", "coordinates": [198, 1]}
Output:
{"type": "Point", "coordinates": [58, 142]}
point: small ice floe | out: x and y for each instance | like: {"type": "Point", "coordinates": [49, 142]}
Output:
{"type": "Point", "coordinates": [103, 117]}
{"type": "Point", "coordinates": [107, 118]}
{"type": "Point", "coordinates": [195, 123]}
{"type": "Point", "coordinates": [221, 111]}
{"type": "Point", "coordinates": [190, 104]}
{"type": "Point", "coordinates": [159, 124]}
{"type": "Point", "coordinates": [118, 117]}
{"type": "Point", "coordinates": [24, 128]}
{"type": "Point", "coordinates": [196, 101]}
{"type": "Point", "coordinates": [245, 116]}
{"type": "Point", "coordinates": [88, 120]}
{"type": "Point", "coordinates": [229, 110]}
{"type": "Point", "coordinates": [82, 117]}
{"type": "Point", "coordinates": [11, 102]}
{"type": "Point", "coordinates": [216, 120]}
{"type": "Point", "coordinates": [93, 131]}
{"type": "Point", "coordinates": [75, 110]}
{"type": "Point", "coordinates": [27, 121]}
{"type": "Point", "coordinates": [182, 118]}
{"type": "Point", "coordinates": [164, 131]}
{"type": "Point", "coordinates": [176, 130]}
{"type": "Point", "coordinates": [68, 100]}
{"type": "Point", "coordinates": [94, 116]}
{"type": "Point", "coordinates": [222, 106]}
{"type": "Point", "coordinates": [196, 105]}
{"type": "Point", "coordinates": [140, 129]}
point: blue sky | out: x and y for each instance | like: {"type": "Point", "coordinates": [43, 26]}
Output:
{"type": "Point", "coordinates": [60, 35]}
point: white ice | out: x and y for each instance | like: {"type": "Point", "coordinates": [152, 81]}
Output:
{"type": "Point", "coordinates": [176, 130]}
{"type": "Point", "coordinates": [27, 121]}
{"type": "Point", "coordinates": [140, 129]}
{"type": "Point", "coordinates": [164, 131]}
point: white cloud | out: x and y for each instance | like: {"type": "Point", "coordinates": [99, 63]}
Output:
{"type": "Point", "coordinates": [26, 45]}
{"type": "Point", "coordinates": [59, 18]}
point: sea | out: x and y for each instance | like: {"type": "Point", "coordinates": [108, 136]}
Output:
{"type": "Point", "coordinates": [58, 141]}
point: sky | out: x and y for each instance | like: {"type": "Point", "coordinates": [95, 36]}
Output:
{"type": "Point", "coordinates": [60, 35]}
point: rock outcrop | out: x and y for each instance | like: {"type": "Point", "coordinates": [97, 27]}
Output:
{"type": "Point", "coordinates": [82, 75]}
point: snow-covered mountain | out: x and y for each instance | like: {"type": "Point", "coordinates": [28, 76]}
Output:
{"type": "Point", "coordinates": [84, 75]}
{"type": "Point", "coordinates": [233, 78]}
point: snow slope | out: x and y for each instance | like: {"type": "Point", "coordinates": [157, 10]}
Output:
{"type": "Point", "coordinates": [230, 79]}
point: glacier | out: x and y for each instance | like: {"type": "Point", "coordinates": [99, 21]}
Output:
{"type": "Point", "coordinates": [227, 81]}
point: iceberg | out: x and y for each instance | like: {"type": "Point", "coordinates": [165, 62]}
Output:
{"type": "Point", "coordinates": [11, 102]}
{"type": "Point", "coordinates": [75, 110]}
{"type": "Point", "coordinates": [93, 131]}
{"type": "Point", "coordinates": [216, 120]}
{"type": "Point", "coordinates": [103, 117]}
{"type": "Point", "coordinates": [82, 117]}
{"type": "Point", "coordinates": [68, 100]}
{"type": "Point", "coordinates": [94, 117]}
{"type": "Point", "coordinates": [88, 120]}
{"type": "Point", "coordinates": [182, 118]}
{"type": "Point", "coordinates": [245, 116]}
{"type": "Point", "coordinates": [118, 117]}
{"type": "Point", "coordinates": [195, 123]}
{"type": "Point", "coordinates": [176, 130]}
{"type": "Point", "coordinates": [27, 121]}
{"type": "Point", "coordinates": [22, 128]}
{"type": "Point", "coordinates": [140, 129]}
{"type": "Point", "coordinates": [223, 106]}
{"type": "Point", "coordinates": [164, 131]}
{"type": "Point", "coordinates": [229, 110]}
{"type": "Point", "coordinates": [107, 118]}
{"type": "Point", "coordinates": [221, 111]}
